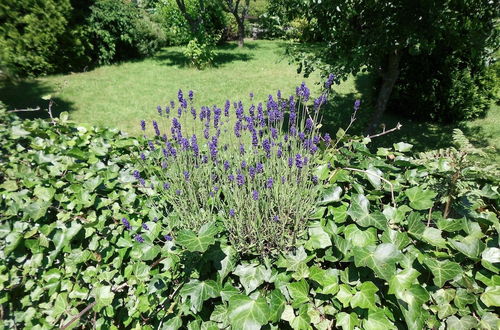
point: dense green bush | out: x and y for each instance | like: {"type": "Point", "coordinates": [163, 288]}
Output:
{"type": "Point", "coordinates": [119, 30]}
{"type": "Point", "coordinates": [394, 241]}
{"type": "Point", "coordinates": [460, 88]}
{"type": "Point", "coordinates": [201, 54]}
{"type": "Point", "coordinates": [30, 32]}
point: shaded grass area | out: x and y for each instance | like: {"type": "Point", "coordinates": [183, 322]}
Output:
{"type": "Point", "coordinates": [120, 95]}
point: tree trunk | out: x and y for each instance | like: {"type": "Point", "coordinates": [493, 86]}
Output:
{"type": "Point", "coordinates": [241, 34]}
{"type": "Point", "coordinates": [390, 73]}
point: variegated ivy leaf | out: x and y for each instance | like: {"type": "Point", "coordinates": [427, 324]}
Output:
{"type": "Point", "coordinates": [198, 292]}
{"type": "Point", "coordinates": [442, 270]}
{"type": "Point", "coordinates": [252, 275]}
{"type": "Point", "coordinates": [198, 241]}
{"type": "Point", "coordinates": [360, 213]}
{"type": "Point", "coordinates": [247, 313]}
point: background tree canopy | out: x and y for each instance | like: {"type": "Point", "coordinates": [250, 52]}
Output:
{"type": "Point", "coordinates": [435, 54]}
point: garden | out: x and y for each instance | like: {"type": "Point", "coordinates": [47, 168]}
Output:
{"type": "Point", "coordinates": [159, 169]}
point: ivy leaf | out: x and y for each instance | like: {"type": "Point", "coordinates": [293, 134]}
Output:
{"type": "Point", "coordinates": [103, 296]}
{"type": "Point", "coordinates": [293, 261]}
{"type": "Point", "coordinates": [277, 304]}
{"type": "Point", "coordinates": [360, 238]}
{"type": "Point", "coordinates": [470, 246]}
{"type": "Point", "coordinates": [247, 313]}
{"type": "Point", "coordinates": [491, 259]}
{"type": "Point", "coordinates": [442, 270]}
{"type": "Point", "coordinates": [198, 292]}
{"type": "Point", "coordinates": [365, 297]}
{"type": "Point", "coordinates": [200, 241]}
{"type": "Point", "coordinates": [420, 199]}
{"type": "Point", "coordinates": [465, 323]}
{"type": "Point", "coordinates": [44, 194]}
{"type": "Point", "coordinates": [359, 212]}
{"type": "Point", "coordinates": [252, 276]}
{"type": "Point", "coordinates": [382, 259]}
{"type": "Point", "coordinates": [374, 174]}
{"type": "Point", "coordinates": [402, 146]}
{"type": "Point", "coordinates": [327, 279]}
{"type": "Point", "coordinates": [36, 210]}
{"type": "Point", "coordinates": [299, 291]}
{"type": "Point", "coordinates": [347, 321]}
{"type": "Point", "coordinates": [491, 296]}
{"type": "Point", "coordinates": [330, 195]}
{"type": "Point", "coordinates": [433, 237]}
{"type": "Point", "coordinates": [403, 280]}
{"type": "Point", "coordinates": [318, 238]}
{"type": "Point", "coordinates": [377, 320]}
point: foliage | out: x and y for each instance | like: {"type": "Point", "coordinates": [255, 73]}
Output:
{"type": "Point", "coordinates": [379, 252]}
{"type": "Point", "coordinates": [201, 54]}
{"type": "Point", "coordinates": [210, 21]}
{"type": "Point", "coordinates": [119, 30]}
{"type": "Point", "coordinates": [440, 48]}
{"type": "Point", "coordinates": [29, 34]}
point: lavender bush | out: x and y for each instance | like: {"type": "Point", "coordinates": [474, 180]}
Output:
{"type": "Point", "coordinates": [251, 169]}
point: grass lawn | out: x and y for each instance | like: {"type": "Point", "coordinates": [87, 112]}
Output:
{"type": "Point", "coordinates": [120, 95]}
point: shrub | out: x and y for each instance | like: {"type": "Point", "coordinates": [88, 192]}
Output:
{"type": "Point", "coordinates": [201, 54]}
{"type": "Point", "coordinates": [119, 30]}
{"type": "Point", "coordinates": [29, 34]}
{"type": "Point", "coordinates": [262, 186]}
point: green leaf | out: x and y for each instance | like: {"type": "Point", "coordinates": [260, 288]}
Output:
{"type": "Point", "coordinates": [198, 292]}
{"type": "Point", "coordinates": [374, 174]}
{"type": "Point", "coordinates": [327, 279]}
{"type": "Point", "coordinates": [403, 280]}
{"type": "Point", "coordinates": [451, 225]}
{"type": "Point", "coordinates": [433, 237]}
{"type": "Point", "coordinates": [491, 296]}
{"type": "Point", "coordinates": [402, 146]}
{"type": "Point", "coordinates": [365, 297]}
{"type": "Point", "coordinates": [465, 323]}
{"type": "Point", "coordinates": [330, 195]}
{"type": "Point", "coordinates": [45, 194]}
{"type": "Point", "coordinates": [382, 259]}
{"type": "Point", "coordinates": [442, 270]}
{"type": "Point", "coordinates": [347, 321]}
{"type": "Point", "coordinates": [420, 199]}
{"type": "Point", "coordinates": [103, 296]}
{"type": "Point", "coordinates": [299, 291]}
{"type": "Point", "coordinates": [247, 313]}
{"type": "Point", "coordinates": [198, 242]}
{"type": "Point", "coordinates": [252, 276]}
{"type": "Point", "coordinates": [277, 303]}
{"type": "Point", "coordinates": [359, 212]}
{"type": "Point", "coordinates": [36, 210]}
{"type": "Point", "coordinates": [377, 320]}
{"type": "Point", "coordinates": [360, 238]}
{"type": "Point", "coordinates": [470, 246]}
{"type": "Point", "coordinates": [318, 238]}
{"type": "Point", "coordinates": [292, 261]}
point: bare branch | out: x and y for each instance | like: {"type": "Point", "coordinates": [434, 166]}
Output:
{"type": "Point", "coordinates": [384, 132]}
{"type": "Point", "coordinates": [25, 110]}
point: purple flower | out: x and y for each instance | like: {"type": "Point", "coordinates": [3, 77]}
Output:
{"type": "Point", "coordinates": [357, 103]}
{"type": "Point", "coordinates": [279, 153]}
{"type": "Point", "coordinates": [242, 149]}
{"type": "Point", "coordinates": [206, 133]}
{"type": "Point", "coordinates": [327, 138]}
{"type": "Point", "coordinates": [329, 81]}
{"type": "Point", "coordinates": [266, 144]}
{"type": "Point", "coordinates": [145, 226]}
{"type": "Point", "coordinates": [139, 238]}
{"type": "Point", "coordinates": [179, 112]}
{"type": "Point", "coordinates": [290, 162]}
{"type": "Point", "coordinates": [279, 94]}
{"type": "Point", "coordinates": [193, 112]}
{"type": "Point", "coordinates": [243, 164]}
{"type": "Point", "coordinates": [194, 146]}
{"type": "Point", "coordinates": [293, 131]}
{"type": "Point", "coordinates": [151, 146]}
{"type": "Point", "coordinates": [126, 224]}
{"type": "Point", "coordinates": [168, 237]}
{"type": "Point", "coordinates": [226, 165]}
{"type": "Point", "coordinates": [255, 139]}
{"type": "Point", "coordinates": [143, 156]}
{"type": "Point", "coordinates": [298, 161]}
{"type": "Point", "coordinates": [231, 213]}
{"type": "Point", "coordinates": [255, 195]}
{"type": "Point", "coordinates": [180, 96]}
{"type": "Point", "coordinates": [143, 125]}
{"type": "Point", "coordinates": [274, 133]}
{"type": "Point", "coordinates": [155, 219]}
{"type": "Point", "coordinates": [185, 143]}
{"type": "Point", "coordinates": [137, 175]}
{"type": "Point", "coordinates": [190, 95]}
{"type": "Point", "coordinates": [319, 102]}
{"type": "Point", "coordinates": [237, 129]}
{"type": "Point", "coordinates": [217, 113]}
{"type": "Point", "coordinates": [166, 186]}
{"type": "Point", "coordinates": [276, 218]}
{"type": "Point", "coordinates": [302, 136]}
{"type": "Point", "coordinates": [252, 172]}
{"type": "Point", "coordinates": [164, 165]}
{"type": "Point", "coordinates": [226, 108]}
{"type": "Point", "coordinates": [204, 159]}
{"type": "Point", "coordinates": [186, 175]}
{"type": "Point", "coordinates": [240, 179]}
{"type": "Point", "coordinates": [251, 96]}
{"type": "Point", "coordinates": [283, 179]}
{"type": "Point", "coordinates": [269, 183]}
{"type": "Point", "coordinates": [314, 179]}
{"type": "Point", "coordinates": [177, 192]}
{"type": "Point", "coordinates": [213, 148]}
{"type": "Point", "coordinates": [158, 108]}
{"type": "Point", "coordinates": [167, 111]}
{"type": "Point", "coordinates": [260, 168]}
{"type": "Point", "coordinates": [316, 139]}
{"type": "Point", "coordinates": [309, 124]}
{"type": "Point", "coordinates": [172, 104]}
{"type": "Point", "coordinates": [230, 177]}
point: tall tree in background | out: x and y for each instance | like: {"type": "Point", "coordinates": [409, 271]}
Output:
{"type": "Point", "coordinates": [383, 36]}
{"type": "Point", "coordinates": [239, 9]}
{"type": "Point", "coordinates": [196, 22]}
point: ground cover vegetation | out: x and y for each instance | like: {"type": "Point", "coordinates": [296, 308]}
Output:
{"type": "Point", "coordinates": [387, 240]}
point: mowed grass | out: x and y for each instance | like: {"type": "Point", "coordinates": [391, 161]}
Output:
{"type": "Point", "coordinates": [121, 95]}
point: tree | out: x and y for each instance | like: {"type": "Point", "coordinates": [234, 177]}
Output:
{"type": "Point", "coordinates": [239, 10]}
{"type": "Point", "coordinates": [382, 36]}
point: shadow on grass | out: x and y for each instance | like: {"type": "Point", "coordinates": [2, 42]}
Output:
{"type": "Point", "coordinates": [423, 135]}
{"type": "Point", "coordinates": [224, 55]}
{"type": "Point", "coordinates": [28, 94]}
